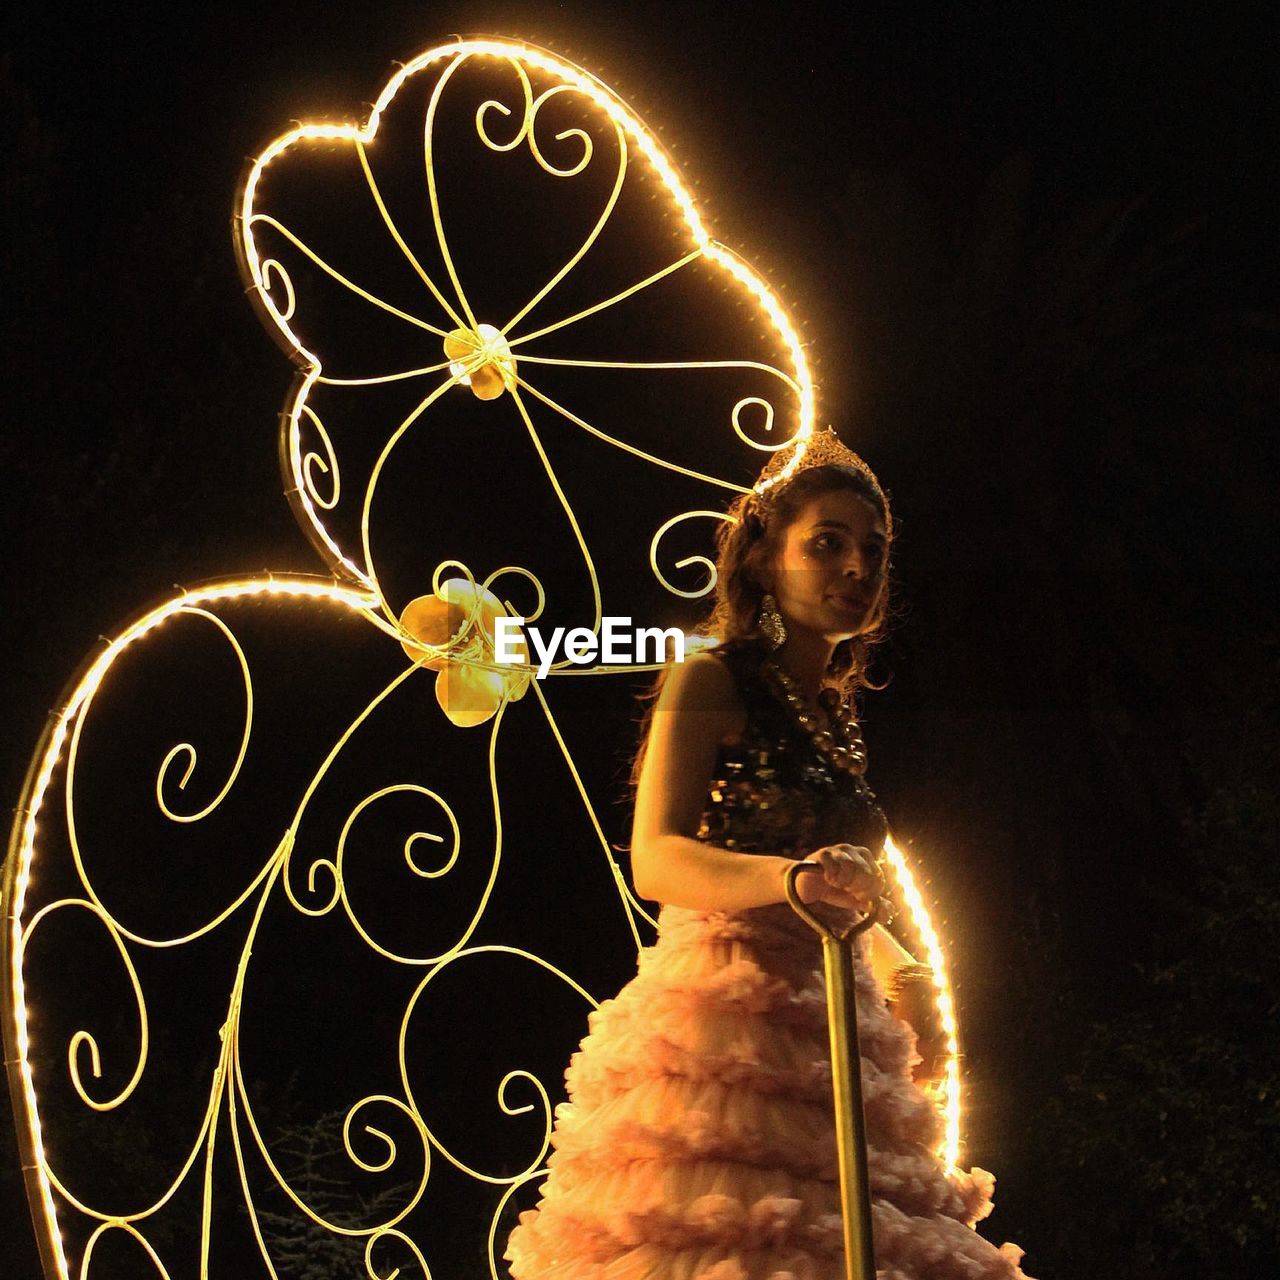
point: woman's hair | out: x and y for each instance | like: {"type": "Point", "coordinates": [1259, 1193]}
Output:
{"type": "Point", "coordinates": [745, 542]}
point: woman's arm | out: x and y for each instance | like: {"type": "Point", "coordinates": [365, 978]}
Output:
{"type": "Point", "coordinates": [697, 709]}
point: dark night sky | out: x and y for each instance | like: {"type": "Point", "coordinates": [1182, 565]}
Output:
{"type": "Point", "coordinates": [1080, 444]}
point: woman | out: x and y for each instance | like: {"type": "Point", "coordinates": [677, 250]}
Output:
{"type": "Point", "coordinates": [698, 1141]}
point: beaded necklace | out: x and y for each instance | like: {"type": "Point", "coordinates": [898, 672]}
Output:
{"type": "Point", "coordinates": [841, 742]}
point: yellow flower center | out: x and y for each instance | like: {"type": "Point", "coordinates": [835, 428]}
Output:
{"type": "Point", "coordinates": [481, 359]}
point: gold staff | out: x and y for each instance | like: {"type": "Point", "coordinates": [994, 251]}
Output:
{"type": "Point", "coordinates": [846, 1077]}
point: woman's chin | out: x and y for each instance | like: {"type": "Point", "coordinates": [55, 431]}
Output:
{"type": "Point", "coordinates": [833, 625]}
{"type": "Point", "coordinates": [844, 623]}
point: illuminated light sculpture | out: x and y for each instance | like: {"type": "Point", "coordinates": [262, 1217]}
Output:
{"type": "Point", "coordinates": [448, 631]}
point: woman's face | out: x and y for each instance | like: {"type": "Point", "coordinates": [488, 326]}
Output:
{"type": "Point", "coordinates": [828, 573]}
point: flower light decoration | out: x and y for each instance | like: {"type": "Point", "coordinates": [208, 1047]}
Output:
{"type": "Point", "coordinates": [465, 359]}
{"type": "Point", "coordinates": [469, 688]}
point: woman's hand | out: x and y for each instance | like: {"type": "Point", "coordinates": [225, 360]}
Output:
{"type": "Point", "coordinates": [848, 878]}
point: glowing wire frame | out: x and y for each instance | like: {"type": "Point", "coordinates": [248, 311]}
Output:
{"type": "Point", "coordinates": [949, 1151]}
{"type": "Point", "coordinates": [265, 274]}
{"type": "Point", "coordinates": [227, 1091]}
{"type": "Point", "coordinates": [275, 293]}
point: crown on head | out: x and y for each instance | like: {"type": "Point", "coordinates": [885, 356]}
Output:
{"type": "Point", "coordinates": [819, 449]}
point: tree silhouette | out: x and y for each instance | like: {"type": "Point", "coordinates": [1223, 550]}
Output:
{"type": "Point", "coordinates": [313, 1161]}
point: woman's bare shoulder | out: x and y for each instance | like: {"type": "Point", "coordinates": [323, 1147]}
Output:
{"type": "Point", "coordinates": [701, 673]}
{"type": "Point", "coordinates": [704, 686]}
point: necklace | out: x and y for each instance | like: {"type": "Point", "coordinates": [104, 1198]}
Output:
{"type": "Point", "coordinates": [841, 741]}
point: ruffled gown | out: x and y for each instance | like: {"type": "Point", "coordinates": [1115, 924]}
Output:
{"type": "Point", "coordinates": [698, 1139]}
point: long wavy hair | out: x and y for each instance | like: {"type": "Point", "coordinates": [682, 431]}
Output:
{"type": "Point", "coordinates": [745, 543]}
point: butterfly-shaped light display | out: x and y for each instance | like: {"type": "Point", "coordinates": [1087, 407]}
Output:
{"type": "Point", "coordinates": [461, 281]}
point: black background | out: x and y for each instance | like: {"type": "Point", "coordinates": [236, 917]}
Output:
{"type": "Point", "coordinates": [1032, 249]}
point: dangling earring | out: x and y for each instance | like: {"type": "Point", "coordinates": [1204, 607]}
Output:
{"type": "Point", "coordinates": [770, 622]}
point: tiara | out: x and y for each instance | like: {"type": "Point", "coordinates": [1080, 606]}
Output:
{"type": "Point", "coordinates": [819, 449]}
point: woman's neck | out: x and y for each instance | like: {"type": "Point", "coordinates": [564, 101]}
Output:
{"type": "Point", "coordinates": [805, 657]}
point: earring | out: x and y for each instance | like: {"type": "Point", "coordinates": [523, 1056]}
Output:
{"type": "Point", "coordinates": [770, 622]}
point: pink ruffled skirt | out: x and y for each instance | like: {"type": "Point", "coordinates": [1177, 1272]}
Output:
{"type": "Point", "coordinates": [698, 1142]}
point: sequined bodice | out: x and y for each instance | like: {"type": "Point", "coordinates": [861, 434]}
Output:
{"type": "Point", "coordinates": [773, 791]}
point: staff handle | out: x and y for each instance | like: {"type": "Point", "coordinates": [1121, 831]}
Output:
{"type": "Point", "coordinates": [846, 1076]}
